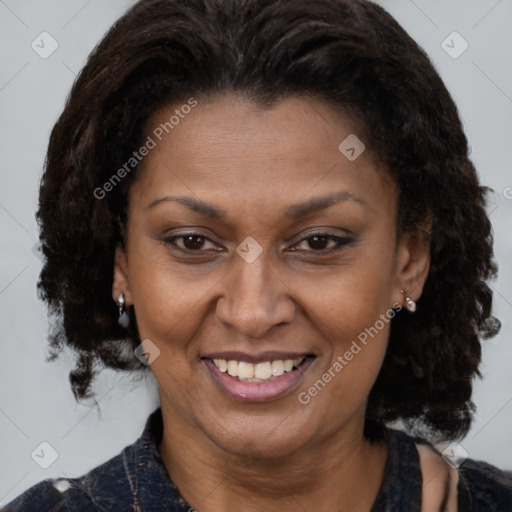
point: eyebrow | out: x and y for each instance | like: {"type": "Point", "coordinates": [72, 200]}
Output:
{"type": "Point", "coordinates": [293, 212]}
{"type": "Point", "coordinates": [205, 209]}
{"type": "Point", "coordinates": [320, 203]}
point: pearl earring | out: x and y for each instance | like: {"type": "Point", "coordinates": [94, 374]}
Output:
{"type": "Point", "coordinates": [120, 303]}
{"type": "Point", "coordinates": [124, 319]}
{"type": "Point", "coordinates": [409, 303]}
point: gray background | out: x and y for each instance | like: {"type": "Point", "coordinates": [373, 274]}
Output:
{"type": "Point", "coordinates": [36, 403]}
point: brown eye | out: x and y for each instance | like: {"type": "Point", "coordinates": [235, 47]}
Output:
{"type": "Point", "coordinates": [319, 243]}
{"type": "Point", "coordinates": [192, 242]}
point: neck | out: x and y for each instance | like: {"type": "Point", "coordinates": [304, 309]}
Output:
{"type": "Point", "coordinates": [341, 472]}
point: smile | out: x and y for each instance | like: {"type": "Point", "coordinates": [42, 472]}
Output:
{"type": "Point", "coordinates": [260, 381]}
{"type": "Point", "coordinates": [260, 372]}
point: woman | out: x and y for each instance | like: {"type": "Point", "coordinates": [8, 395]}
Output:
{"type": "Point", "coordinates": [276, 198]}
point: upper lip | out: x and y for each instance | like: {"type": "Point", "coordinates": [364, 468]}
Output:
{"type": "Point", "coordinates": [256, 358]}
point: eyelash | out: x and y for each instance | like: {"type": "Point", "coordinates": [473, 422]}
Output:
{"type": "Point", "coordinates": [341, 241]}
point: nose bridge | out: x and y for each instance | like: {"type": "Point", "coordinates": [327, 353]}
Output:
{"type": "Point", "coordinates": [253, 297]}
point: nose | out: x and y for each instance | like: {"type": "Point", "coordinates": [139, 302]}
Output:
{"type": "Point", "coordinates": [254, 298]}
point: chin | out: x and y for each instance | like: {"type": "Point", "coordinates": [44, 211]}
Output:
{"type": "Point", "coordinates": [255, 438]}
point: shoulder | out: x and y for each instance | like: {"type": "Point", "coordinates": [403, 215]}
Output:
{"type": "Point", "coordinates": [82, 493]}
{"type": "Point", "coordinates": [484, 487]}
{"type": "Point", "coordinates": [52, 495]}
{"type": "Point", "coordinates": [133, 478]}
{"type": "Point", "coordinates": [439, 480]}
{"type": "Point", "coordinates": [474, 486]}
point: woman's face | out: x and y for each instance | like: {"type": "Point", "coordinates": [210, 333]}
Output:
{"type": "Point", "coordinates": [253, 239]}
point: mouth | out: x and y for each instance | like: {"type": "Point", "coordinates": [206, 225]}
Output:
{"type": "Point", "coordinates": [259, 372]}
{"type": "Point", "coordinates": [257, 378]}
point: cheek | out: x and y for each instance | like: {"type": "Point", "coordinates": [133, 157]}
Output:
{"type": "Point", "coordinates": [354, 297]}
{"type": "Point", "coordinates": [161, 297]}
{"type": "Point", "coordinates": [358, 336]}
{"type": "Point", "coordinates": [354, 315]}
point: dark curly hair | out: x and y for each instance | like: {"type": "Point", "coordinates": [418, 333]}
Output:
{"type": "Point", "coordinates": [350, 54]}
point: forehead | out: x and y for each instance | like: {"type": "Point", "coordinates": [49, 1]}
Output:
{"type": "Point", "coordinates": [230, 149]}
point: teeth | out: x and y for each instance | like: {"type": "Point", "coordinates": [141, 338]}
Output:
{"type": "Point", "coordinates": [256, 372]}
{"type": "Point", "coordinates": [245, 370]}
{"type": "Point", "coordinates": [233, 368]}
{"type": "Point", "coordinates": [277, 368]}
{"type": "Point", "coordinates": [263, 370]}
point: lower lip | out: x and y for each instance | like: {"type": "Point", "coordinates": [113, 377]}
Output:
{"type": "Point", "coordinates": [258, 391]}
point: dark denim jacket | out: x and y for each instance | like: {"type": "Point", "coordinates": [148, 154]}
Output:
{"type": "Point", "coordinates": [137, 480]}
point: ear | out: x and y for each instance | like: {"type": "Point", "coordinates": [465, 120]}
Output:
{"type": "Point", "coordinates": [120, 282]}
{"type": "Point", "coordinates": [412, 266]}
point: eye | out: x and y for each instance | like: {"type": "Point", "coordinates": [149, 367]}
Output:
{"type": "Point", "coordinates": [191, 242]}
{"type": "Point", "coordinates": [319, 243]}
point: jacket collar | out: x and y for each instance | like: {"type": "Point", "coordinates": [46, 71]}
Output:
{"type": "Point", "coordinates": [152, 487]}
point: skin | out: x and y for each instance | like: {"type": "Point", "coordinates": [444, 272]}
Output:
{"type": "Point", "coordinates": [439, 482]}
{"type": "Point", "coordinates": [254, 163]}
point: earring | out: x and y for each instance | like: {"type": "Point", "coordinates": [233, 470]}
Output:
{"type": "Point", "coordinates": [120, 303]}
{"type": "Point", "coordinates": [124, 319]}
{"type": "Point", "coordinates": [409, 303]}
